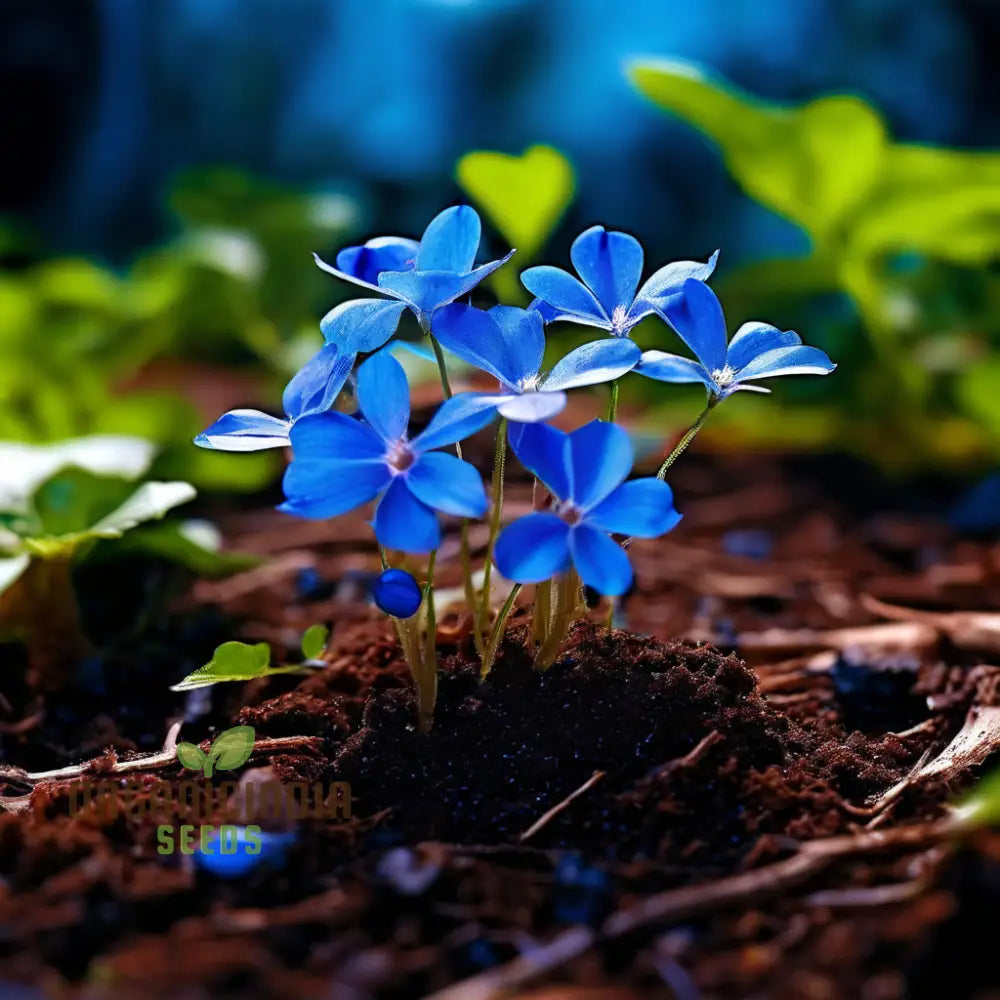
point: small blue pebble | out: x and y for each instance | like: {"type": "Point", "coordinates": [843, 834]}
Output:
{"type": "Point", "coordinates": [397, 593]}
{"type": "Point", "coordinates": [239, 861]}
{"type": "Point", "coordinates": [310, 585]}
{"type": "Point", "coordinates": [750, 543]}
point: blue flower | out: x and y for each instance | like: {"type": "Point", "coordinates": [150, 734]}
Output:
{"type": "Point", "coordinates": [756, 351]}
{"type": "Point", "coordinates": [314, 389]}
{"type": "Point", "coordinates": [340, 463]}
{"type": "Point", "coordinates": [509, 343]}
{"type": "Point", "coordinates": [422, 276]}
{"type": "Point", "coordinates": [585, 471]}
{"type": "Point", "coordinates": [609, 266]}
{"type": "Point", "coordinates": [397, 593]}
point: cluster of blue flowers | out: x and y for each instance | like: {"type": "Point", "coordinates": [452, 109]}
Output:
{"type": "Point", "coordinates": [343, 461]}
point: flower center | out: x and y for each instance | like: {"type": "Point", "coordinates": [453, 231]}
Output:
{"type": "Point", "coordinates": [723, 376]}
{"type": "Point", "coordinates": [569, 512]}
{"type": "Point", "coordinates": [400, 456]}
{"type": "Point", "coordinates": [619, 321]}
{"type": "Point", "coordinates": [530, 384]}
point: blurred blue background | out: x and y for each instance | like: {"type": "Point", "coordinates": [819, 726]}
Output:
{"type": "Point", "coordinates": [105, 100]}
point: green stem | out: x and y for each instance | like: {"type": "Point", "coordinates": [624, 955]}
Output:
{"type": "Point", "coordinates": [499, 465]}
{"type": "Point", "coordinates": [498, 630]}
{"type": "Point", "coordinates": [427, 687]}
{"type": "Point", "coordinates": [469, 586]}
{"type": "Point", "coordinates": [442, 367]}
{"type": "Point", "coordinates": [613, 402]}
{"type": "Point", "coordinates": [542, 613]}
{"type": "Point", "coordinates": [567, 599]}
{"type": "Point", "coordinates": [688, 437]}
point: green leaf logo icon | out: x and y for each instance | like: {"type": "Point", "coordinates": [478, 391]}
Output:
{"type": "Point", "coordinates": [230, 750]}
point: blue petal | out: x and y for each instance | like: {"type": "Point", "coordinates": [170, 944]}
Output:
{"type": "Point", "coordinates": [598, 361]}
{"type": "Point", "coordinates": [397, 593]}
{"type": "Point", "coordinates": [569, 297]}
{"type": "Point", "coordinates": [365, 263]}
{"type": "Point", "coordinates": [610, 264]}
{"type": "Point", "coordinates": [668, 283]}
{"type": "Point", "coordinates": [423, 290]}
{"type": "Point", "coordinates": [476, 337]}
{"type": "Point", "coordinates": [322, 489]}
{"type": "Point", "coordinates": [314, 389]}
{"type": "Point", "coordinates": [522, 336]}
{"type": "Point", "coordinates": [447, 484]}
{"type": "Point", "coordinates": [335, 436]}
{"type": "Point", "coordinates": [405, 523]}
{"type": "Point", "coordinates": [601, 563]}
{"type": "Point", "coordinates": [458, 418]}
{"type": "Point", "coordinates": [752, 339]}
{"type": "Point", "coordinates": [532, 406]}
{"type": "Point", "coordinates": [450, 241]}
{"type": "Point", "coordinates": [787, 361]}
{"type": "Point", "coordinates": [244, 430]}
{"type": "Point", "coordinates": [548, 313]}
{"type": "Point", "coordinates": [533, 548]}
{"type": "Point", "coordinates": [384, 396]}
{"type": "Point", "coordinates": [672, 368]}
{"type": "Point", "coordinates": [361, 325]}
{"type": "Point", "coordinates": [641, 507]}
{"type": "Point", "coordinates": [697, 317]}
{"type": "Point", "coordinates": [601, 457]}
{"type": "Point", "coordinates": [343, 275]}
{"type": "Point", "coordinates": [544, 451]}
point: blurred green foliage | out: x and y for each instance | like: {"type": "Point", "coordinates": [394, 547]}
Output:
{"type": "Point", "coordinates": [907, 233]}
{"type": "Point", "coordinates": [85, 349]}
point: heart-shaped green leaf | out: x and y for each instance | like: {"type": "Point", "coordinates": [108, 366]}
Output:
{"type": "Point", "coordinates": [523, 196]}
{"type": "Point", "coordinates": [230, 749]}
{"type": "Point", "coordinates": [314, 641]}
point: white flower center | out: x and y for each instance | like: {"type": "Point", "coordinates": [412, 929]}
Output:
{"type": "Point", "coordinates": [530, 384]}
{"type": "Point", "coordinates": [400, 457]}
{"type": "Point", "coordinates": [723, 376]}
{"type": "Point", "coordinates": [619, 321]}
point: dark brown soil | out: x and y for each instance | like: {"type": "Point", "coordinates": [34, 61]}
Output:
{"type": "Point", "coordinates": [677, 766]}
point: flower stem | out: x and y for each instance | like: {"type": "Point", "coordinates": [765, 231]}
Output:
{"type": "Point", "coordinates": [613, 402]}
{"type": "Point", "coordinates": [497, 633]}
{"type": "Point", "coordinates": [442, 367]}
{"type": "Point", "coordinates": [427, 684]}
{"type": "Point", "coordinates": [688, 436]}
{"type": "Point", "coordinates": [567, 599]}
{"type": "Point", "coordinates": [499, 465]}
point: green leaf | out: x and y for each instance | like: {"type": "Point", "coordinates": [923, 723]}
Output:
{"type": "Point", "coordinates": [977, 392]}
{"type": "Point", "coordinates": [523, 196]}
{"type": "Point", "coordinates": [191, 756]}
{"type": "Point", "coordinates": [183, 542]}
{"type": "Point", "coordinates": [944, 203]}
{"type": "Point", "coordinates": [231, 749]}
{"type": "Point", "coordinates": [811, 163]}
{"type": "Point", "coordinates": [27, 466]}
{"type": "Point", "coordinates": [74, 500]}
{"type": "Point", "coordinates": [234, 661]}
{"type": "Point", "coordinates": [149, 502]}
{"type": "Point", "coordinates": [981, 807]}
{"type": "Point", "coordinates": [314, 641]}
